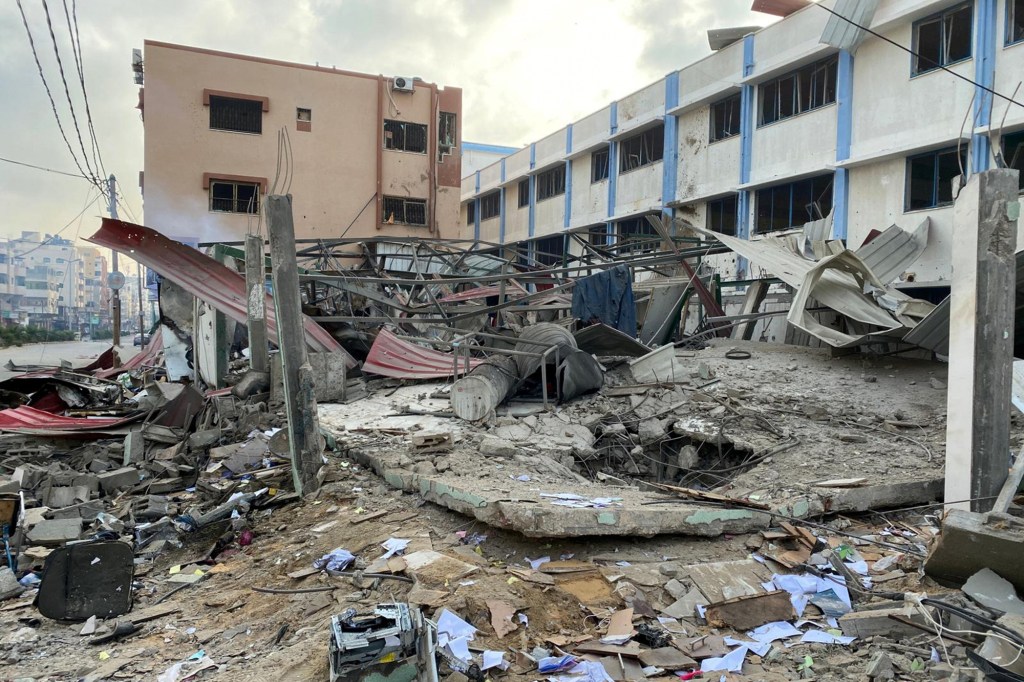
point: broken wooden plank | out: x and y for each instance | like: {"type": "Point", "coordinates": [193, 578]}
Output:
{"type": "Point", "coordinates": [356, 520]}
{"type": "Point", "coordinates": [727, 579]}
{"type": "Point", "coordinates": [668, 658]}
{"type": "Point", "coordinates": [432, 442]}
{"type": "Point", "coordinates": [152, 613]}
{"type": "Point", "coordinates": [877, 622]}
{"type": "Point", "coordinates": [750, 611]}
{"type": "Point", "coordinates": [630, 650]}
{"type": "Point", "coordinates": [711, 497]}
{"type": "Point", "coordinates": [1009, 489]}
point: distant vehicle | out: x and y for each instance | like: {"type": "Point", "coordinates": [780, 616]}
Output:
{"type": "Point", "coordinates": [142, 339]}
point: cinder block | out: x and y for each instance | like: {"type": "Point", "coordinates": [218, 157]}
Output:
{"type": "Point", "coordinates": [329, 376]}
{"type": "Point", "coordinates": [119, 479]}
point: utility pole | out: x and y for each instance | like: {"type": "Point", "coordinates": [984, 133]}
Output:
{"type": "Point", "coordinates": [115, 299]}
{"type": "Point", "coordinates": [142, 328]}
{"type": "Point", "coordinates": [255, 283]}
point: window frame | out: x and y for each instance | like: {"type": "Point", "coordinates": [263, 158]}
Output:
{"type": "Point", "coordinates": [792, 81]}
{"type": "Point", "coordinates": [594, 161]}
{"type": "Point", "coordinates": [792, 187]}
{"type": "Point", "coordinates": [1019, 134]}
{"type": "Point", "coordinates": [235, 184]}
{"type": "Point", "coordinates": [471, 212]}
{"type": "Point", "coordinates": [485, 205]}
{"type": "Point", "coordinates": [649, 154]}
{"type": "Point", "coordinates": [523, 197]}
{"type": "Point", "coordinates": [915, 68]}
{"type": "Point", "coordinates": [936, 179]}
{"type": "Point", "coordinates": [550, 183]}
{"type": "Point", "coordinates": [727, 101]}
{"type": "Point", "coordinates": [550, 258]}
{"type": "Point", "coordinates": [1011, 9]}
{"type": "Point", "coordinates": [214, 100]}
{"type": "Point", "coordinates": [390, 137]}
{"type": "Point", "coordinates": [639, 244]}
{"type": "Point", "coordinates": [723, 202]}
{"type": "Point", "coordinates": [405, 202]}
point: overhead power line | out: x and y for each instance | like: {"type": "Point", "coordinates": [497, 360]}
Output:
{"type": "Point", "coordinates": [919, 55]}
{"type": "Point", "coordinates": [48, 170]}
{"type": "Point", "coordinates": [76, 50]}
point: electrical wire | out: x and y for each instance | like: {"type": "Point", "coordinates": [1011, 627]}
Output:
{"type": "Point", "coordinates": [52, 237]}
{"type": "Point", "coordinates": [919, 55]}
{"type": "Point", "coordinates": [43, 168]}
{"type": "Point", "coordinates": [76, 51]}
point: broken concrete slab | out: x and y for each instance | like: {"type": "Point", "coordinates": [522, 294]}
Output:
{"type": "Point", "coordinates": [970, 542]}
{"type": "Point", "coordinates": [55, 532]}
{"type": "Point", "coordinates": [119, 479]}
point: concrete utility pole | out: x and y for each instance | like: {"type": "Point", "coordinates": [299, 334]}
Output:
{"type": "Point", "coordinates": [255, 285]}
{"type": "Point", "coordinates": [115, 298]}
{"type": "Point", "coordinates": [142, 325]}
{"type": "Point", "coordinates": [981, 338]}
{"type": "Point", "coordinates": [299, 400]}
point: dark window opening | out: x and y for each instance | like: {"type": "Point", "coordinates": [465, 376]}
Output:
{"type": "Point", "coordinates": [405, 137]}
{"type": "Point", "coordinates": [446, 137]}
{"type": "Point", "coordinates": [490, 205]}
{"type": "Point", "coordinates": [471, 212]}
{"type": "Point", "coordinates": [943, 39]}
{"type": "Point", "coordinates": [1013, 153]}
{"type": "Point", "coordinates": [405, 211]}
{"type": "Point", "coordinates": [234, 197]}
{"type": "Point", "coordinates": [798, 92]}
{"type": "Point", "coordinates": [304, 115]}
{"type": "Point", "coordinates": [598, 236]}
{"type": "Point", "coordinates": [599, 165]}
{"type": "Point", "coordinates": [236, 115]}
{"type": "Point", "coordinates": [524, 192]}
{"type": "Point", "coordinates": [642, 149]}
{"type": "Point", "coordinates": [725, 118]}
{"type": "Point", "coordinates": [930, 178]}
{"type": "Point", "coordinates": [636, 235]}
{"type": "Point", "coordinates": [791, 205]}
{"type": "Point", "coordinates": [551, 183]}
{"type": "Point", "coordinates": [549, 250]}
{"type": "Point", "coordinates": [1014, 21]}
{"type": "Point", "coordinates": [722, 215]}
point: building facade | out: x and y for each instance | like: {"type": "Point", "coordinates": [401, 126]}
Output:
{"type": "Point", "coordinates": [48, 281]}
{"type": "Point", "coordinates": [363, 155]}
{"type": "Point", "coordinates": [778, 129]}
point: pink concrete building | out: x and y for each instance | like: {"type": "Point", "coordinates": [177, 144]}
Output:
{"type": "Point", "coordinates": [371, 156]}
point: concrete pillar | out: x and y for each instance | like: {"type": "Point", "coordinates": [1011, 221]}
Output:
{"type": "Point", "coordinates": [981, 339]}
{"type": "Point", "coordinates": [299, 400]}
{"type": "Point", "coordinates": [255, 285]}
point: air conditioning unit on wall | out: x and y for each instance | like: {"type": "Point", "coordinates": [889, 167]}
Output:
{"type": "Point", "coordinates": [403, 84]}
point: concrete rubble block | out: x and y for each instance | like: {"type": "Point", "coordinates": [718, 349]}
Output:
{"type": "Point", "coordinates": [513, 432]}
{"type": "Point", "coordinates": [119, 479]}
{"type": "Point", "coordinates": [330, 375]}
{"type": "Point", "coordinates": [57, 497]}
{"type": "Point", "coordinates": [55, 532]}
{"type": "Point", "coordinates": [85, 511]}
{"type": "Point", "coordinates": [701, 429]}
{"type": "Point", "coordinates": [29, 476]}
{"type": "Point", "coordinates": [90, 481]}
{"type": "Point", "coordinates": [9, 486]}
{"type": "Point", "coordinates": [675, 588]}
{"type": "Point", "coordinates": [203, 439]}
{"type": "Point", "coordinates": [970, 542]}
{"type": "Point", "coordinates": [134, 447]}
{"type": "Point", "coordinates": [251, 383]}
{"type": "Point", "coordinates": [492, 446]}
{"type": "Point", "coordinates": [651, 431]}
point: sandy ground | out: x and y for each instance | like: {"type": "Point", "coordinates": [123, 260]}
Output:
{"type": "Point", "coordinates": [78, 353]}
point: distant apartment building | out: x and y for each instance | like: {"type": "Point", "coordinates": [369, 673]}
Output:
{"type": "Point", "coordinates": [777, 129]}
{"type": "Point", "coordinates": [48, 281]}
{"type": "Point", "coordinates": [364, 155]}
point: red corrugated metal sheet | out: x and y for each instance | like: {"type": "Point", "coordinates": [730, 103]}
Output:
{"type": "Point", "coordinates": [201, 276]}
{"type": "Point", "coordinates": [390, 356]}
{"type": "Point", "coordinates": [29, 420]}
{"type": "Point", "coordinates": [148, 356]}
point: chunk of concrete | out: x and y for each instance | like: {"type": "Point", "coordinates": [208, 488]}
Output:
{"type": "Point", "coordinates": [55, 532]}
{"type": "Point", "coordinates": [89, 481]}
{"type": "Point", "coordinates": [990, 590]}
{"type": "Point", "coordinates": [651, 431]}
{"type": "Point", "coordinates": [29, 476]}
{"type": "Point", "coordinates": [134, 447]}
{"type": "Point", "coordinates": [203, 439]}
{"type": "Point", "coordinates": [492, 446]}
{"type": "Point", "coordinates": [119, 479]}
{"type": "Point", "coordinates": [252, 382]}
{"type": "Point", "coordinates": [330, 375]}
{"type": "Point", "coordinates": [57, 497]}
{"type": "Point", "coordinates": [970, 542]}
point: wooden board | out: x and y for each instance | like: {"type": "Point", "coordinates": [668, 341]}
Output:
{"type": "Point", "coordinates": [727, 579]}
{"type": "Point", "coordinates": [750, 611]}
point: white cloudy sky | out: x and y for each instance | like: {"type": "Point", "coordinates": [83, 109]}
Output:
{"type": "Point", "coordinates": [527, 67]}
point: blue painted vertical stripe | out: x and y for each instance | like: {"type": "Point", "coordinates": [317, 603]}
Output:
{"type": "Point", "coordinates": [613, 156]}
{"type": "Point", "coordinates": [501, 216]}
{"type": "Point", "coordinates": [746, 150]}
{"type": "Point", "coordinates": [984, 75]}
{"type": "Point", "coordinates": [568, 177]}
{"type": "Point", "coordinates": [533, 190]}
{"type": "Point", "coordinates": [844, 140]}
{"type": "Point", "coordinates": [670, 155]}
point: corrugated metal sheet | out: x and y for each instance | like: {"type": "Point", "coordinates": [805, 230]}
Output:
{"type": "Point", "coordinates": [780, 8]}
{"type": "Point", "coordinates": [32, 421]}
{"type": "Point", "coordinates": [148, 357]}
{"type": "Point", "coordinates": [201, 276]}
{"type": "Point", "coordinates": [933, 331]}
{"type": "Point", "coordinates": [391, 356]}
{"type": "Point", "coordinates": [842, 32]}
{"type": "Point", "coordinates": [890, 254]}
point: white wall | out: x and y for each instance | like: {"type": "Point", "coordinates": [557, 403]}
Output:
{"type": "Point", "coordinates": [589, 200]}
{"type": "Point", "coordinates": [550, 149]}
{"type": "Point", "coordinates": [711, 77]}
{"type": "Point", "coordinates": [641, 107]}
{"type": "Point", "coordinates": [591, 130]}
{"type": "Point", "coordinates": [797, 145]}
{"type": "Point", "coordinates": [639, 189]}
{"type": "Point", "coordinates": [705, 168]}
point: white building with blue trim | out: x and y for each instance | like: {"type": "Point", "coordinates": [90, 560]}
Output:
{"type": "Point", "coordinates": [777, 129]}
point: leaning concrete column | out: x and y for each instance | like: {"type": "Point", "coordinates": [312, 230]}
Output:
{"type": "Point", "coordinates": [255, 279]}
{"type": "Point", "coordinates": [981, 339]}
{"type": "Point", "coordinates": [300, 403]}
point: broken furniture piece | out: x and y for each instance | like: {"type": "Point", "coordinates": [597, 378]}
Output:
{"type": "Point", "coordinates": [393, 643]}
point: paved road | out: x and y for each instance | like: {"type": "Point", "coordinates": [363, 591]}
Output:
{"type": "Point", "coordinates": [78, 353]}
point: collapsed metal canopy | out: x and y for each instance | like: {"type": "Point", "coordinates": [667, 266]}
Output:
{"type": "Point", "coordinates": [201, 276]}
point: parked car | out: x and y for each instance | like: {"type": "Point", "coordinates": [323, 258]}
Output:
{"type": "Point", "coordinates": [142, 339]}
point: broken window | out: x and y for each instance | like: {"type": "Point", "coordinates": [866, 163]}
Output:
{"type": "Point", "coordinates": [599, 165]}
{"type": "Point", "coordinates": [471, 212]}
{"type": "Point", "coordinates": [405, 137]}
{"type": "Point", "coordinates": [725, 118]}
{"type": "Point", "coordinates": [1014, 21]}
{"type": "Point", "coordinates": [943, 39]}
{"type": "Point", "coordinates": [721, 216]}
{"type": "Point", "coordinates": [234, 197]}
{"type": "Point", "coordinates": [636, 235]}
{"type": "Point", "coordinates": [405, 211]}
{"type": "Point", "coordinates": [524, 192]}
{"type": "Point", "coordinates": [490, 205]}
{"type": "Point", "coordinates": [549, 250]}
{"type": "Point", "coordinates": [305, 115]}
{"type": "Point", "coordinates": [794, 203]}
{"type": "Point", "coordinates": [642, 149]}
{"type": "Point", "coordinates": [598, 236]}
{"type": "Point", "coordinates": [808, 88]}
{"type": "Point", "coordinates": [1013, 153]}
{"type": "Point", "coordinates": [551, 183]}
{"type": "Point", "coordinates": [930, 178]}
{"type": "Point", "coordinates": [446, 137]}
{"type": "Point", "coordinates": [236, 115]}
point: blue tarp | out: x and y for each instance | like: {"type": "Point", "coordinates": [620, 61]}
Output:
{"type": "Point", "coordinates": [607, 297]}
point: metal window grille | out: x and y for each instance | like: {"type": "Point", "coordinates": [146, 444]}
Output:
{"type": "Point", "coordinates": [238, 115]}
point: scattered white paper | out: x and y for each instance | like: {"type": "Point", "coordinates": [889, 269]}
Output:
{"type": "Point", "coordinates": [451, 627]}
{"type": "Point", "coordinates": [859, 567]}
{"type": "Point", "coordinates": [493, 659]}
{"type": "Point", "coordinates": [732, 661]}
{"type": "Point", "coordinates": [761, 649]}
{"type": "Point", "coordinates": [584, 671]}
{"type": "Point", "coordinates": [394, 546]}
{"type": "Point", "coordinates": [459, 648]}
{"type": "Point", "coordinates": [523, 619]}
{"type": "Point", "coordinates": [537, 563]}
{"type": "Point", "coordinates": [821, 637]}
{"type": "Point", "coordinates": [771, 632]}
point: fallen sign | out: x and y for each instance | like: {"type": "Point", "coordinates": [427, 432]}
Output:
{"type": "Point", "coordinates": [750, 611]}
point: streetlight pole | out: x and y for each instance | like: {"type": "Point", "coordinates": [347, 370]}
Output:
{"type": "Point", "coordinates": [115, 299]}
{"type": "Point", "coordinates": [142, 328]}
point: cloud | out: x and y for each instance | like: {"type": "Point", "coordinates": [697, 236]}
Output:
{"type": "Point", "coordinates": [527, 67]}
